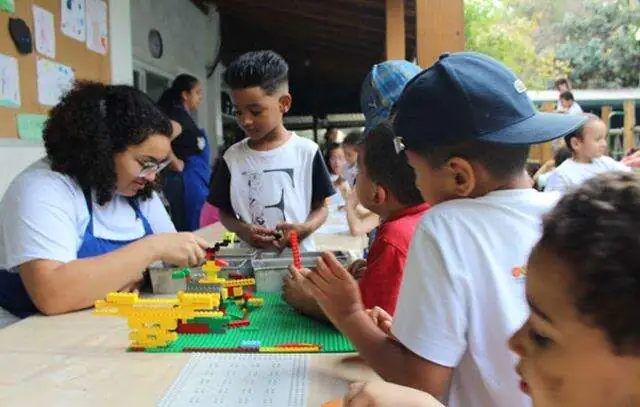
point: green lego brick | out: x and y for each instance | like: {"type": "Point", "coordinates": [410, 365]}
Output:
{"type": "Point", "coordinates": [273, 324]}
{"type": "Point", "coordinates": [178, 275]}
{"type": "Point", "coordinates": [233, 311]}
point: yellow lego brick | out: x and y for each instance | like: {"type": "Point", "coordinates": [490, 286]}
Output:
{"type": "Point", "coordinates": [256, 301]}
{"type": "Point", "coordinates": [290, 350]}
{"type": "Point", "coordinates": [239, 283]}
{"type": "Point", "coordinates": [122, 298]}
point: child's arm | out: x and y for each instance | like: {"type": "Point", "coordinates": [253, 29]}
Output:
{"type": "Point", "coordinates": [338, 295]}
{"type": "Point", "coordinates": [256, 235]}
{"type": "Point", "coordinates": [360, 220]}
{"type": "Point", "coordinates": [384, 394]}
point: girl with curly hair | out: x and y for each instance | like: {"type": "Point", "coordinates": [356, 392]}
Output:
{"type": "Point", "coordinates": [85, 220]}
{"type": "Point", "coordinates": [186, 185]}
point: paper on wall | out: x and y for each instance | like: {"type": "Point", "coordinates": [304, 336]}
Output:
{"type": "Point", "coordinates": [54, 80]}
{"type": "Point", "coordinates": [97, 31]}
{"type": "Point", "coordinates": [31, 126]}
{"type": "Point", "coordinates": [44, 32]}
{"type": "Point", "coordinates": [72, 19]}
{"type": "Point", "coordinates": [9, 82]}
{"type": "Point", "coordinates": [8, 5]}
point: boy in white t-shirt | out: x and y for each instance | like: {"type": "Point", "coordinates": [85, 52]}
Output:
{"type": "Point", "coordinates": [466, 124]}
{"type": "Point", "coordinates": [588, 146]}
{"type": "Point", "coordinates": [273, 181]}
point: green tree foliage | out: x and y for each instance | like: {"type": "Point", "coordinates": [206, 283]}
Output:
{"type": "Point", "coordinates": [493, 27]}
{"type": "Point", "coordinates": [602, 46]}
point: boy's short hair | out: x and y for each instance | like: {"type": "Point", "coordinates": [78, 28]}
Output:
{"type": "Point", "coordinates": [353, 138]}
{"type": "Point", "coordinates": [265, 69]}
{"type": "Point", "coordinates": [562, 81]}
{"type": "Point", "coordinates": [503, 161]}
{"type": "Point", "coordinates": [568, 95]}
{"type": "Point", "coordinates": [594, 230]}
{"type": "Point", "coordinates": [387, 168]}
{"type": "Point", "coordinates": [578, 133]}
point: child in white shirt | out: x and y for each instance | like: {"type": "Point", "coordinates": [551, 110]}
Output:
{"type": "Point", "coordinates": [588, 146]}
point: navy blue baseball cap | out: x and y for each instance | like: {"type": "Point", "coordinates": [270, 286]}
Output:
{"type": "Point", "coordinates": [382, 88]}
{"type": "Point", "coordinates": [467, 96]}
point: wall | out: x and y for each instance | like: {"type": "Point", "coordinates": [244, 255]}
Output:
{"type": "Point", "coordinates": [16, 155]}
{"type": "Point", "coordinates": [190, 41]}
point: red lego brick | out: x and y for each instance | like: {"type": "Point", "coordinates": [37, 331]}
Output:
{"type": "Point", "coordinates": [236, 324]}
{"type": "Point", "coordinates": [193, 328]}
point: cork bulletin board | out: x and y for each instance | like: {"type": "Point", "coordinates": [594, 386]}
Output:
{"type": "Point", "coordinates": [85, 63]}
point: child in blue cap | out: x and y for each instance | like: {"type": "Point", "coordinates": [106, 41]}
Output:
{"type": "Point", "coordinates": [466, 125]}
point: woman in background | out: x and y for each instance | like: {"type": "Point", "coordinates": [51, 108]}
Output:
{"type": "Point", "coordinates": [186, 186]}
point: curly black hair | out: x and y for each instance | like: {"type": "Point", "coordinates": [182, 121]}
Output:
{"type": "Point", "coordinates": [91, 124]}
{"type": "Point", "coordinates": [265, 69]}
{"type": "Point", "coordinates": [387, 168]}
{"type": "Point", "coordinates": [594, 229]}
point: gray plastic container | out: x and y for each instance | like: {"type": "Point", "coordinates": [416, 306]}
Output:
{"type": "Point", "coordinates": [269, 268]}
{"type": "Point", "coordinates": [162, 283]}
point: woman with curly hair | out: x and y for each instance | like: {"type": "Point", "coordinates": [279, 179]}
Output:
{"type": "Point", "coordinates": [85, 220]}
{"type": "Point", "coordinates": [187, 183]}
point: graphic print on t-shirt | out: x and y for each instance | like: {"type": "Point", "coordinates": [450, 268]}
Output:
{"type": "Point", "coordinates": [278, 179]}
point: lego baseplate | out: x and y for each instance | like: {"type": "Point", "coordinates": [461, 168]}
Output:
{"type": "Point", "coordinates": [273, 325]}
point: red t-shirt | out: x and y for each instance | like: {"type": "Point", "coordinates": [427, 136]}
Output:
{"type": "Point", "coordinates": [385, 264]}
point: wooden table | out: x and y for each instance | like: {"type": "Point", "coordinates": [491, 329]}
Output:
{"type": "Point", "coordinates": [80, 360]}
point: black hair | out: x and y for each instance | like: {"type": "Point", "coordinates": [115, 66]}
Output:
{"type": "Point", "coordinates": [503, 161]}
{"type": "Point", "coordinates": [353, 138]}
{"type": "Point", "coordinates": [91, 124]}
{"type": "Point", "coordinates": [594, 231]}
{"type": "Point", "coordinates": [265, 69]}
{"type": "Point", "coordinates": [173, 96]}
{"type": "Point", "coordinates": [327, 155]}
{"type": "Point", "coordinates": [561, 155]}
{"type": "Point", "coordinates": [532, 167]}
{"type": "Point", "coordinates": [568, 95]}
{"type": "Point", "coordinates": [562, 81]}
{"type": "Point", "coordinates": [387, 168]}
{"type": "Point", "coordinates": [579, 133]}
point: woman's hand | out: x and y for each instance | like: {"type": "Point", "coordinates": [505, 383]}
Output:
{"type": "Point", "coordinates": [180, 249]}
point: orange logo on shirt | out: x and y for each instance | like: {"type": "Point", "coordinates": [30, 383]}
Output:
{"type": "Point", "coordinates": [518, 272]}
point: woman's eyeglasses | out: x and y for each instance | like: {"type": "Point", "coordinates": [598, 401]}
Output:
{"type": "Point", "coordinates": [149, 168]}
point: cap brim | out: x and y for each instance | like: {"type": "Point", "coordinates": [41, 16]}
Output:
{"type": "Point", "coordinates": [539, 128]}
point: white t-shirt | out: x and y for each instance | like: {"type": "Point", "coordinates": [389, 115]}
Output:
{"type": "Point", "coordinates": [44, 215]}
{"type": "Point", "coordinates": [459, 302]}
{"type": "Point", "coordinates": [575, 108]}
{"type": "Point", "coordinates": [571, 174]}
{"type": "Point", "coordinates": [272, 187]}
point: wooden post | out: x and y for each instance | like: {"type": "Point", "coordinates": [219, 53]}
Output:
{"type": "Point", "coordinates": [395, 44]}
{"type": "Point", "coordinates": [629, 124]}
{"type": "Point", "coordinates": [605, 115]}
{"type": "Point", "coordinates": [440, 28]}
{"type": "Point", "coordinates": [546, 149]}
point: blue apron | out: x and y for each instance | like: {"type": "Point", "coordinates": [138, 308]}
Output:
{"type": "Point", "coordinates": [13, 295]}
{"type": "Point", "coordinates": [195, 181]}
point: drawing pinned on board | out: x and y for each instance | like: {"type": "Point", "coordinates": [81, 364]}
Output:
{"type": "Point", "coordinates": [54, 80]}
{"type": "Point", "coordinates": [44, 32]}
{"type": "Point", "coordinates": [31, 126]}
{"type": "Point", "coordinates": [8, 6]}
{"type": "Point", "coordinates": [72, 19]}
{"type": "Point", "coordinates": [97, 31]}
{"type": "Point", "coordinates": [9, 82]}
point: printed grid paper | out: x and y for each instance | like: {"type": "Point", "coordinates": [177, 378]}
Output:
{"type": "Point", "coordinates": [241, 380]}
